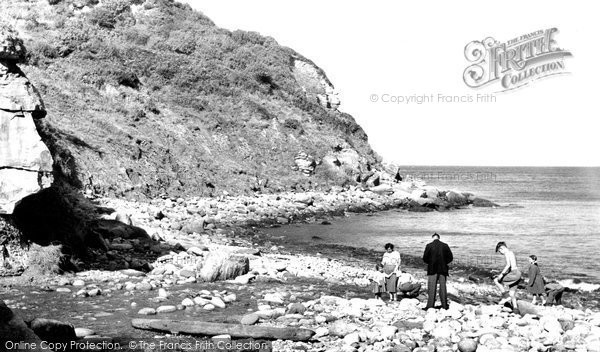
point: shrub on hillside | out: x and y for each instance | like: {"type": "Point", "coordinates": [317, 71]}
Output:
{"type": "Point", "coordinates": [73, 35]}
{"type": "Point", "coordinates": [110, 13]}
{"type": "Point", "coordinates": [244, 37]}
{"type": "Point", "coordinates": [40, 53]}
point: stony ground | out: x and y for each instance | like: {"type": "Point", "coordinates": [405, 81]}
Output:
{"type": "Point", "coordinates": [163, 277]}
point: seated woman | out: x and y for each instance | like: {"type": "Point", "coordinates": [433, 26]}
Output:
{"type": "Point", "coordinates": [554, 290]}
{"type": "Point", "coordinates": [407, 285]}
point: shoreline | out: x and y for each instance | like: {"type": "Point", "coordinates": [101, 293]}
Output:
{"type": "Point", "coordinates": [327, 283]}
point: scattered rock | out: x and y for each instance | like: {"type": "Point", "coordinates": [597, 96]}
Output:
{"type": "Point", "coordinates": [249, 319]}
{"type": "Point", "coordinates": [166, 309]}
{"type": "Point", "coordinates": [147, 311]}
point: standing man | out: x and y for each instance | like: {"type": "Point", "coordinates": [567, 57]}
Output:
{"type": "Point", "coordinates": [510, 276]}
{"type": "Point", "coordinates": [437, 256]}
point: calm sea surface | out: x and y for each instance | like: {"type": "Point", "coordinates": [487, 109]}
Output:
{"type": "Point", "coordinates": [553, 213]}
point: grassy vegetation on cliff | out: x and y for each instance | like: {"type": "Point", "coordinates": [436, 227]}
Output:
{"type": "Point", "coordinates": [150, 97]}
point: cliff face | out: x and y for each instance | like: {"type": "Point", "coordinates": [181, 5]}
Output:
{"type": "Point", "coordinates": [25, 161]}
{"type": "Point", "coordinates": [150, 97]}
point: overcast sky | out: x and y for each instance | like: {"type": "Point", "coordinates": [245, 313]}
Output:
{"type": "Point", "coordinates": [403, 48]}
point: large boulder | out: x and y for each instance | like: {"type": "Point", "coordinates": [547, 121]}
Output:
{"type": "Point", "coordinates": [456, 198]}
{"type": "Point", "coordinates": [223, 266]}
{"type": "Point", "coordinates": [14, 329]}
{"type": "Point", "coordinates": [51, 330]}
{"type": "Point", "coordinates": [25, 161]}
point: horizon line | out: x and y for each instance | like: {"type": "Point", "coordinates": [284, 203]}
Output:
{"type": "Point", "coordinates": [530, 166]}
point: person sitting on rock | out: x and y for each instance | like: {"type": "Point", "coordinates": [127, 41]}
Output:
{"type": "Point", "coordinates": [377, 278]}
{"type": "Point", "coordinates": [407, 285]}
{"type": "Point", "coordinates": [554, 290]}
{"type": "Point", "coordinates": [509, 277]}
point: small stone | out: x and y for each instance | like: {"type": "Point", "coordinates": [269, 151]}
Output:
{"type": "Point", "coordinates": [230, 298]}
{"type": "Point", "coordinates": [187, 273]}
{"type": "Point", "coordinates": [143, 286]}
{"type": "Point", "coordinates": [296, 308]}
{"type": "Point", "coordinates": [78, 283]}
{"type": "Point", "coordinates": [209, 307]}
{"type": "Point", "coordinates": [94, 292]}
{"type": "Point", "coordinates": [63, 290]}
{"type": "Point", "coordinates": [83, 332]}
{"type": "Point", "coordinates": [467, 345]}
{"type": "Point", "coordinates": [147, 311]}
{"type": "Point", "coordinates": [222, 337]}
{"type": "Point", "coordinates": [249, 319]}
{"type": "Point", "coordinates": [388, 332]}
{"type": "Point", "coordinates": [352, 338]}
{"type": "Point", "coordinates": [273, 298]}
{"type": "Point", "coordinates": [321, 331]}
{"type": "Point", "coordinates": [132, 273]}
{"type": "Point", "coordinates": [162, 293]}
{"type": "Point", "coordinates": [200, 301]}
{"type": "Point", "coordinates": [218, 302]}
{"type": "Point", "coordinates": [187, 302]}
{"type": "Point", "coordinates": [166, 309]}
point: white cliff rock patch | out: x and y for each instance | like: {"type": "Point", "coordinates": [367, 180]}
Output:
{"type": "Point", "coordinates": [315, 84]}
{"type": "Point", "coordinates": [25, 161]}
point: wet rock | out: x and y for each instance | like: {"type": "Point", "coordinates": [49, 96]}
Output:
{"type": "Point", "coordinates": [480, 202]}
{"type": "Point", "coordinates": [53, 330]}
{"type": "Point", "coordinates": [13, 328]}
{"type": "Point", "coordinates": [456, 198]}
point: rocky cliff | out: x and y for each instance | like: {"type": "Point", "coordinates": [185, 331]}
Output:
{"type": "Point", "coordinates": [150, 98]}
{"type": "Point", "coordinates": [25, 161]}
